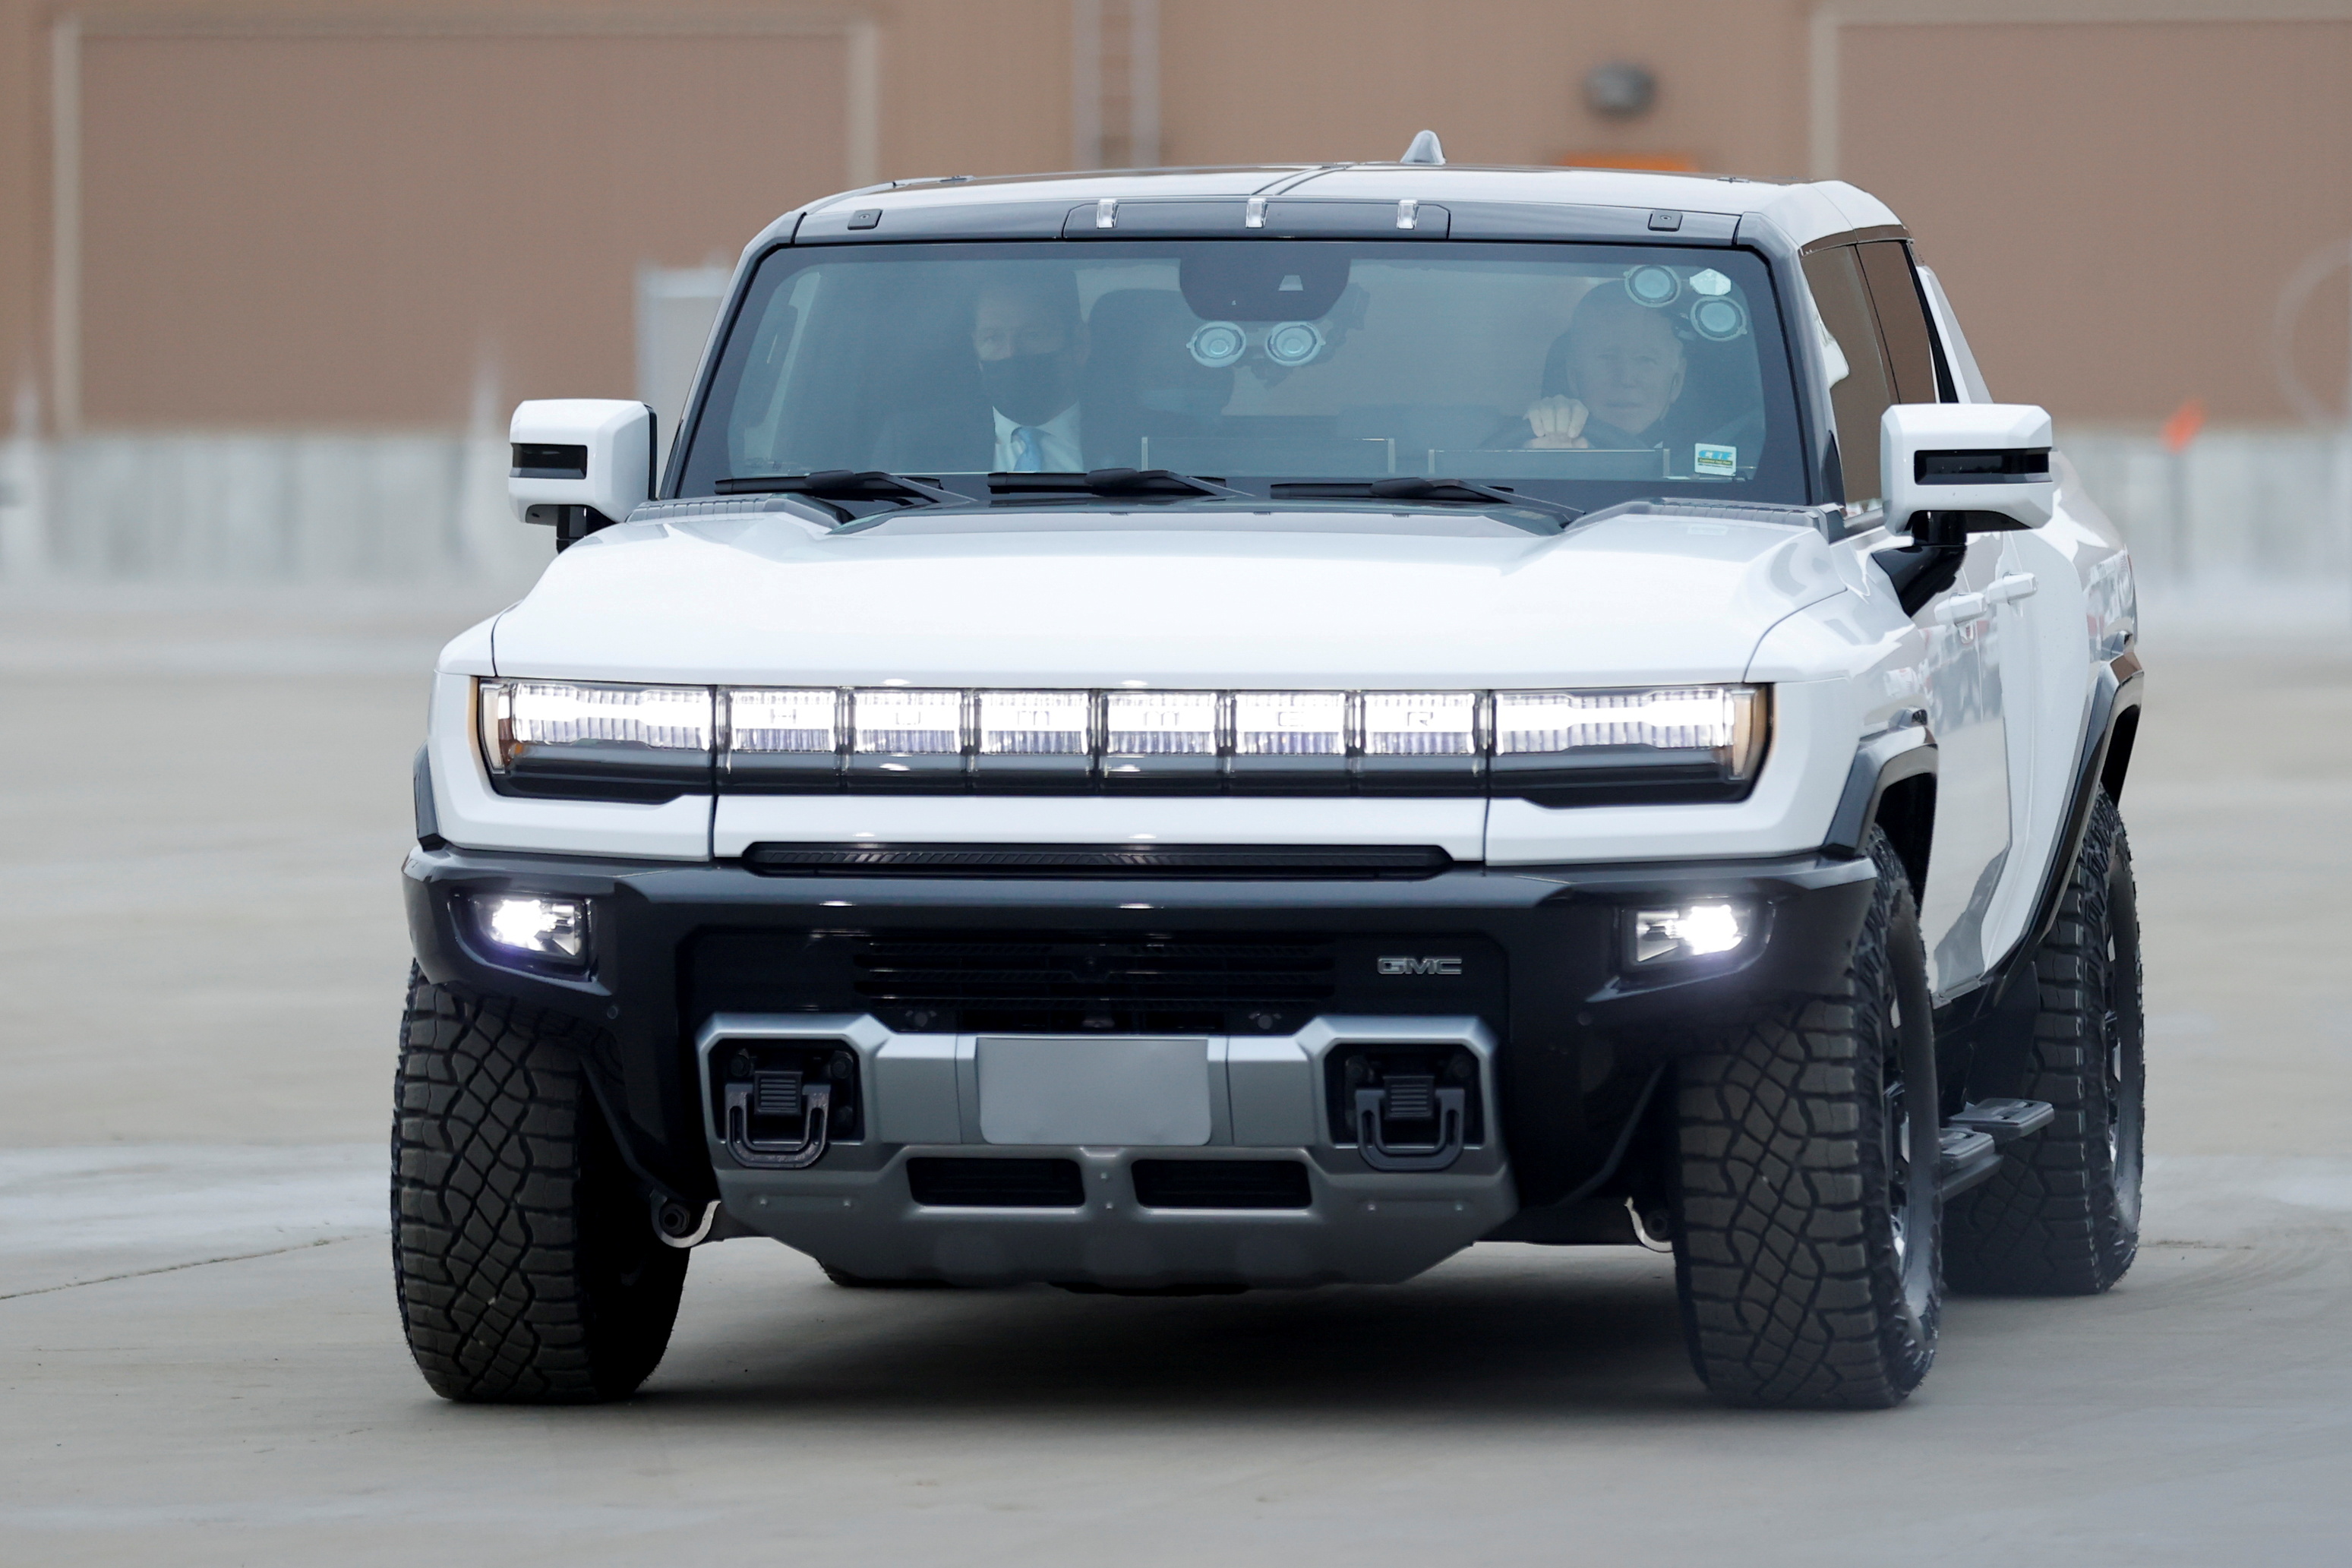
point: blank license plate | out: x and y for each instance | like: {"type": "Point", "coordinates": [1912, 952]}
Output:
{"type": "Point", "coordinates": [1122, 1091]}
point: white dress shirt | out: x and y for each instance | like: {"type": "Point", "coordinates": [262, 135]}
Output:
{"type": "Point", "coordinates": [1057, 442]}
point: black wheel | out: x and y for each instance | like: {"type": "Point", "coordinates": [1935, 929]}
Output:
{"type": "Point", "coordinates": [523, 1255]}
{"type": "Point", "coordinates": [1807, 1252]}
{"type": "Point", "coordinates": [2061, 1216]}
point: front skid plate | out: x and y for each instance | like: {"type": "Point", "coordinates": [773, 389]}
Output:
{"type": "Point", "coordinates": [1368, 1229]}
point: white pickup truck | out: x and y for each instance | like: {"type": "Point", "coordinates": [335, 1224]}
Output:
{"type": "Point", "coordinates": [1201, 730]}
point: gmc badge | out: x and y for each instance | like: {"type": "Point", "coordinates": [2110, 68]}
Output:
{"type": "Point", "coordinates": [1421, 965]}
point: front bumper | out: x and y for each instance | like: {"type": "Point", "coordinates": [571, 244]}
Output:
{"type": "Point", "coordinates": [1571, 1041]}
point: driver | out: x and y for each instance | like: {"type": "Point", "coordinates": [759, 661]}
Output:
{"type": "Point", "coordinates": [1624, 369]}
{"type": "Point", "coordinates": [1031, 342]}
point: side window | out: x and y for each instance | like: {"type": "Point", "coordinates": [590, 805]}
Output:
{"type": "Point", "coordinates": [1902, 319]}
{"type": "Point", "coordinates": [1858, 397]}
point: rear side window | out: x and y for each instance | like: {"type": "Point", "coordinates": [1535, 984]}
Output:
{"type": "Point", "coordinates": [1861, 382]}
{"type": "Point", "coordinates": [1902, 319]}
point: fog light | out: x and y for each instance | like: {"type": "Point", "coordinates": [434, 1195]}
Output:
{"type": "Point", "coordinates": [1693, 931]}
{"type": "Point", "coordinates": [554, 929]}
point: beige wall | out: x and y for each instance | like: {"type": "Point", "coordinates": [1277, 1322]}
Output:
{"type": "Point", "coordinates": [350, 231]}
{"type": "Point", "coordinates": [1500, 79]}
{"type": "Point", "coordinates": [2115, 207]}
{"type": "Point", "coordinates": [305, 213]}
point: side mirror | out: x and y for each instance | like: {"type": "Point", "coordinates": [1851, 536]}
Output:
{"type": "Point", "coordinates": [580, 463]}
{"type": "Point", "coordinates": [1966, 468]}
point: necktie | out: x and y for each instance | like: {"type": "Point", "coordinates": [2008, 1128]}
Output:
{"type": "Point", "coordinates": [1028, 450]}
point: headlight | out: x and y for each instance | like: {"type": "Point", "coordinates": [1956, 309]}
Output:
{"type": "Point", "coordinates": [542, 931]}
{"type": "Point", "coordinates": [1556, 748]}
{"type": "Point", "coordinates": [1686, 742]}
{"type": "Point", "coordinates": [1690, 931]}
{"type": "Point", "coordinates": [564, 737]}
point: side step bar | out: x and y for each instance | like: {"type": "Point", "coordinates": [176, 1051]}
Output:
{"type": "Point", "coordinates": [1973, 1140]}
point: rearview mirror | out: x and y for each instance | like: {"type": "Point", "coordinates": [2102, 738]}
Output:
{"type": "Point", "coordinates": [1975, 467]}
{"type": "Point", "coordinates": [580, 463]}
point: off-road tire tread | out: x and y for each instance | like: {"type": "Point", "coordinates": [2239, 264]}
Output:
{"type": "Point", "coordinates": [508, 1217]}
{"type": "Point", "coordinates": [1785, 1301]}
{"type": "Point", "coordinates": [2050, 1221]}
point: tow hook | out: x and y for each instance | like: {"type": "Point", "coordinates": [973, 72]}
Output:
{"type": "Point", "coordinates": [676, 1223]}
{"type": "Point", "coordinates": [1409, 1097]}
{"type": "Point", "coordinates": [778, 1095]}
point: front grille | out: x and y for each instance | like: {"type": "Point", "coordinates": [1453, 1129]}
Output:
{"type": "Point", "coordinates": [1114, 976]}
{"type": "Point", "coordinates": [1011, 980]}
{"type": "Point", "coordinates": [1222, 1183]}
{"type": "Point", "coordinates": [996, 1184]}
{"type": "Point", "coordinates": [1244, 862]}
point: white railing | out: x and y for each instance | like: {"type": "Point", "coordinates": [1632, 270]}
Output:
{"type": "Point", "coordinates": [262, 509]}
{"type": "Point", "coordinates": [2239, 507]}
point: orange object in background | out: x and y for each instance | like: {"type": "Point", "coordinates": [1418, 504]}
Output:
{"type": "Point", "coordinates": [1668, 162]}
{"type": "Point", "coordinates": [2181, 426]}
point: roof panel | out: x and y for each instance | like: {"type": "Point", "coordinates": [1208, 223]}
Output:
{"type": "Point", "coordinates": [1806, 212]}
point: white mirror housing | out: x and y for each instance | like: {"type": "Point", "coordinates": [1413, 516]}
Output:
{"type": "Point", "coordinates": [1988, 459]}
{"type": "Point", "coordinates": [596, 452]}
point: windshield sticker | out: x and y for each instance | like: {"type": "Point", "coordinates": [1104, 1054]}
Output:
{"type": "Point", "coordinates": [1722, 461]}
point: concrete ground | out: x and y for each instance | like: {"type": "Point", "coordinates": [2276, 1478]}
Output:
{"type": "Point", "coordinates": [202, 952]}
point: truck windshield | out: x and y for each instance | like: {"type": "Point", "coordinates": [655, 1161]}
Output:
{"type": "Point", "coordinates": [1579, 373]}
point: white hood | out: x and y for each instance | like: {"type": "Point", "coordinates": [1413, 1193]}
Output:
{"type": "Point", "coordinates": [1165, 599]}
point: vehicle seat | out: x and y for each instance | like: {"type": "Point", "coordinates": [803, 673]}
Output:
{"type": "Point", "coordinates": [1141, 377]}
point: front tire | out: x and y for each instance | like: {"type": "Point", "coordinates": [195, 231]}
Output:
{"type": "Point", "coordinates": [1807, 1244]}
{"type": "Point", "coordinates": [524, 1257]}
{"type": "Point", "coordinates": [2061, 1216]}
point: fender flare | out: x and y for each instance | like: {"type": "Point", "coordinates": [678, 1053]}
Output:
{"type": "Point", "coordinates": [1883, 761]}
{"type": "Point", "coordinates": [420, 781]}
{"type": "Point", "coordinates": [2115, 698]}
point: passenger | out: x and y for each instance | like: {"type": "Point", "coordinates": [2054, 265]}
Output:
{"type": "Point", "coordinates": [1032, 345]}
{"type": "Point", "coordinates": [1619, 368]}
{"type": "Point", "coordinates": [1029, 346]}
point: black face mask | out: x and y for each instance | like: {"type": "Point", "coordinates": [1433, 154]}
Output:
{"type": "Point", "coordinates": [1028, 389]}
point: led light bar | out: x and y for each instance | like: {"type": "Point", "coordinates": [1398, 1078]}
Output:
{"type": "Point", "coordinates": [924, 723]}
{"type": "Point", "coordinates": [783, 720]}
{"type": "Point", "coordinates": [1160, 723]}
{"type": "Point", "coordinates": [1557, 747]}
{"type": "Point", "coordinates": [1290, 724]}
{"type": "Point", "coordinates": [1420, 724]}
{"type": "Point", "coordinates": [1035, 724]}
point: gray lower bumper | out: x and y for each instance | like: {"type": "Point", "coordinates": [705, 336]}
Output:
{"type": "Point", "coordinates": [929, 1096]}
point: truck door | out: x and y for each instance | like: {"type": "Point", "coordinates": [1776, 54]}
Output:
{"type": "Point", "coordinates": [2040, 610]}
{"type": "Point", "coordinates": [1870, 305]}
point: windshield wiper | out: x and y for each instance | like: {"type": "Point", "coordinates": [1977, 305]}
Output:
{"type": "Point", "coordinates": [898, 490]}
{"type": "Point", "coordinates": [1413, 488]}
{"type": "Point", "coordinates": [1111, 482]}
